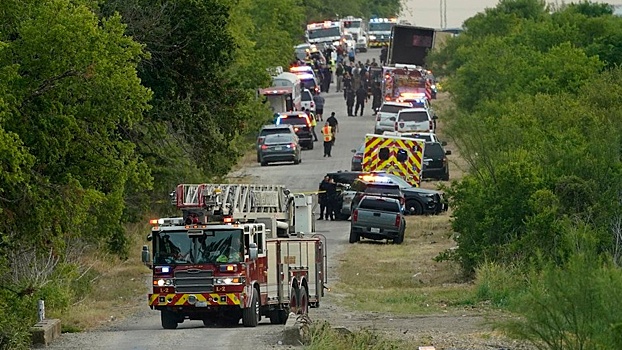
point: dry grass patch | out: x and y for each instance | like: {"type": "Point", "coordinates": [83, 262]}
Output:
{"type": "Point", "coordinates": [404, 278]}
{"type": "Point", "coordinates": [119, 290]}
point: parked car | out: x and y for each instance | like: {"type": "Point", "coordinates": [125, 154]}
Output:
{"type": "Point", "coordinates": [378, 217]}
{"type": "Point", "coordinates": [418, 201]}
{"type": "Point", "coordinates": [307, 100]}
{"type": "Point", "coordinates": [375, 189]}
{"type": "Point", "coordinates": [302, 126]}
{"type": "Point", "coordinates": [357, 158]}
{"type": "Point", "coordinates": [271, 130]}
{"type": "Point", "coordinates": [309, 81]}
{"type": "Point", "coordinates": [387, 116]}
{"type": "Point", "coordinates": [280, 148]}
{"type": "Point", "coordinates": [435, 164]}
{"type": "Point", "coordinates": [415, 119]}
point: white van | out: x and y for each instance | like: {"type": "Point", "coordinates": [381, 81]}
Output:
{"type": "Point", "coordinates": [290, 80]}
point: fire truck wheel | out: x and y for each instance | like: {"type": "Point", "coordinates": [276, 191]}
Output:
{"type": "Point", "coordinates": [414, 208]}
{"type": "Point", "coordinates": [354, 237]}
{"type": "Point", "coordinates": [293, 301]}
{"type": "Point", "coordinates": [303, 307]}
{"type": "Point", "coordinates": [250, 315]}
{"type": "Point", "coordinates": [168, 319]}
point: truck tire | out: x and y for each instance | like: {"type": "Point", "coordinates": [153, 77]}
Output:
{"type": "Point", "coordinates": [278, 316]}
{"type": "Point", "coordinates": [303, 307]}
{"type": "Point", "coordinates": [168, 319]}
{"type": "Point", "coordinates": [399, 239]}
{"type": "Point", "coordinates": [250, 315]}
{"type": "Point", "coordinates": [293, 301]}
{"type": "Point", "coordinates": [354, 237]}
{"type": "Point", "coordinates": [414, 208]}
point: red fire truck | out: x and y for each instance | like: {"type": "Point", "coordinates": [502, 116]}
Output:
{"type": "Point", "coordinates": [222, 260]}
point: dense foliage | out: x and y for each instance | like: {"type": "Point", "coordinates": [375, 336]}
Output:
{"type": "Point", "coordinates": [538, 118]}
{"type": "Point", "coordinates": [105, 105]}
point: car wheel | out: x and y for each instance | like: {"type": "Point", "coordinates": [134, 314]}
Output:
{"type": "Point", "coordinates": [311, 145]}
{"type": "Point", "coordinates": [445, 177]}
{"type": "Point", "coordinates": [258, 159]}
{"type": "Point", "coordinates": [264, 163]}
{"type": "Point", "coordinates": [354, 237]}
{"type": "Point", "coordinates": [414, 208]}
{"type": "Point", "coordinates": [399, 239]}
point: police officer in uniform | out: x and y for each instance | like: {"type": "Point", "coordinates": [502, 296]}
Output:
{"type": "Point", "coordinates": [331, 198]}
{"type": "Point", "coordinates": [322, 196]}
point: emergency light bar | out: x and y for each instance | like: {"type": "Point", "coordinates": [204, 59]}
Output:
{"type": "Point", "coordinates": [166, 222]}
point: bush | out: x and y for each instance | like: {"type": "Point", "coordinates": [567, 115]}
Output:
{"type": "Point", "coordinates": [498, 284]}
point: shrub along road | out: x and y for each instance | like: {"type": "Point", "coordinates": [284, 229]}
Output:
{"type": "Point", "coordinates": [143, 331]}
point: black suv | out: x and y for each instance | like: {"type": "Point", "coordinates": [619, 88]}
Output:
{"type": "Point", "coordinates": [435, 164]}
{"type": "Point", "coordinates": [302, 127]}
{"type": "Point", "coordinates": [364, 188]}
{"type": "Point", "coordinates": [271, 129]}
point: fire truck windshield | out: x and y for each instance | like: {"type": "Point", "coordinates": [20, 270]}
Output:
{"type": "Point", "coordinates": [324, 33]}
{"type": "Point", "coordinates": [213, 246]}
{"type": "Point", "coordinates": [381, 26]}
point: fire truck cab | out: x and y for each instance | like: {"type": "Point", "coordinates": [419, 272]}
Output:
{"type": "Point", "coordinates": [219, 263]}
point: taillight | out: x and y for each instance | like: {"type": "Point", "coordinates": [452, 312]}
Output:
{"type": "Point", "coordinates": [312, 104]}
{"type": "Point", "coordinates": [444, 161]}
{"type": "Point", "coordinates": [292, 145]}
{"type": "Point", "coordinates": [378, 118]}
{"type": "Point", "coordinates": [358, 156]}
{"type": "Point", "coordinates": [264, 147]}
{"type": "Point", "coordinates": [355, 215]}
{"type": "Point", "coordinates": [398, 220]}
{"type": "Point", "coordinates": [395, 127]}
{"type": "Point", "coordinates": [431, 125]}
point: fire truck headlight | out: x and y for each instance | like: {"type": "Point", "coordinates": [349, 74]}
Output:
{"type": "Point", "coordinates": [229, 280]}
{"type": "Point", "coordinates": [165, 282]}
{"type": "Point", "coordinates": [372, 37]}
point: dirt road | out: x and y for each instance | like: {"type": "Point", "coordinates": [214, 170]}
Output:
{"type": "Point", "coordinates": [143, 330]}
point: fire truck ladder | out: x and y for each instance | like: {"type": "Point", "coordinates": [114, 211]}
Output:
{"type": "Point", "coordinates": [241, 201]}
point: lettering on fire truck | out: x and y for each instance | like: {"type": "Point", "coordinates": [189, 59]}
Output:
{"type": "Point", "coordinates": [394, 155]}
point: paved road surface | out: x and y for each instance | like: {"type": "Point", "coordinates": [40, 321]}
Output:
{"type": "Point", "coordinates": [144, 331]}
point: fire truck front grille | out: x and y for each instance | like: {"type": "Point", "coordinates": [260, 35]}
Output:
{"type": "Point", "coordinates": [194, 281]}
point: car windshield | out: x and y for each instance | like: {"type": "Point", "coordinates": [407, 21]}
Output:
{"type": "Point", "coordinates": [293, 121]}
{"type": "Point", "coordinates": [425, 137]}
{"type": "Point", "coordinates": [272, 131]}
{"type": "Point", "coordinates": [391, 108]}
{"type": "Point", "coordinates": [198, 246]}
{"type": "Point", "coordinates": [380, 189]}
{"type": "Point", "coordinates": [433, 150]}
{"type": "Point", "coordinates": [282, 82]}
{"type": "Point", "coordinates": [352, 24]}
{"type": "Point", "coordinates": [309, 84]}
{"type": "Point", "coordinates": [379, 204]}
{"type": "Point", "coordinates": [418, 117]}
{"type": "Point", "coordinates": [278, 138]}
{"type": "Point", "coordinates": [306, 96]}
{"type": "Point", "coordinates": [399, 181]}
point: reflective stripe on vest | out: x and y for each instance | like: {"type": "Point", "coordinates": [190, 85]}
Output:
{"type": "Point", "coordinates": [328, 134]}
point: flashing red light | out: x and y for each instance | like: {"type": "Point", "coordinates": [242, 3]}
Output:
{"type": "Point", "coordinates": [153, 222]}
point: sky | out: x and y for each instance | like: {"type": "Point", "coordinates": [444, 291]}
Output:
{"type": "Point", "coordinates": [427, 13]}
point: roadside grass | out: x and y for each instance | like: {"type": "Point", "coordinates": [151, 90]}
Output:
{"type": "Point", "coordinates": [321, 336]}
{"type": "Point", "coordinates": [119, 287]}
{"type": "Point", "coordinates": [404, 279]}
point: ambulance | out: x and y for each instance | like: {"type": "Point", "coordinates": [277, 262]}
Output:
{"type": "Point", "coordinates": [397, 155]}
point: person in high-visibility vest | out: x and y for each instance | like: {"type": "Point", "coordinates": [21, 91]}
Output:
{"type": "Point", "coordinates": [313, 124]}
{"type": "Point", "coordinates": [327, 132]}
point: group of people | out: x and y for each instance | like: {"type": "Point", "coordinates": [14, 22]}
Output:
{"type": "Point", "coordinates": [358, 87]}
{"type": "Point", "coordinates": [328, 198]}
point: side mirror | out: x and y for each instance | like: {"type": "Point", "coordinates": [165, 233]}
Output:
{"type": "Point", "coordinates": [443, 143]}
{"type": "Point", "coordinates": [434, 117]}
{"type": "Point", "coordinates": [146, 256]}
{"type": "Point", "coordinates": [392, 119]}
{"type": "Point", "coordinates": [448, 152]}
{"type": "Point", "coordinates": [253, 251]}
{"type": "Point", "coordinates": [353, 151]}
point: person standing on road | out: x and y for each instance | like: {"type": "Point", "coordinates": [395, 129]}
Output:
{"type": "Point", "coordinates": [361, 97]}
{"type": "Point", "coordinates": [321, 196]}
{"type": "Point", "coordinates": [331, 199]}
{"type": "Point", "coordinates": [339, 74]}
{"type": "Point", "coordinates": [350, 101]}
{"type": "Point", "coordinates": [347, 84]}
{"type": "Point", "coordinates": [327, 131]}
{"type": "Point", "coordinates": [334, 124]}
{"type": "Point", "coordinates": [319, 106]}
{"type": "Point", "coordinates": [377, 94]}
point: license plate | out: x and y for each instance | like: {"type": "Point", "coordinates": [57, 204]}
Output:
{"type": "Point", "coordinates": [201, 304]}
{"type": "Point", "coordinates": [278, 148]}
{"type": "Point", "coordinates": [375, 230]}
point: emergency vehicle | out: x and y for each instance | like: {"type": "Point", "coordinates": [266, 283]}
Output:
{"type": "Point", "coordinates": [230, 257]}
{"type": "Point", "coordinates": [357, 27]}
{"type": "Point", "coordinates": [286, 93]}
{"type": "Point", "coordinates": [394, 155]}
{"type": "Point", "coordinates": [326, 32]}
{"type": "Point", "coordinates": [379, 31]}
{"type": "Point", "coordinates": [403, 84]}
